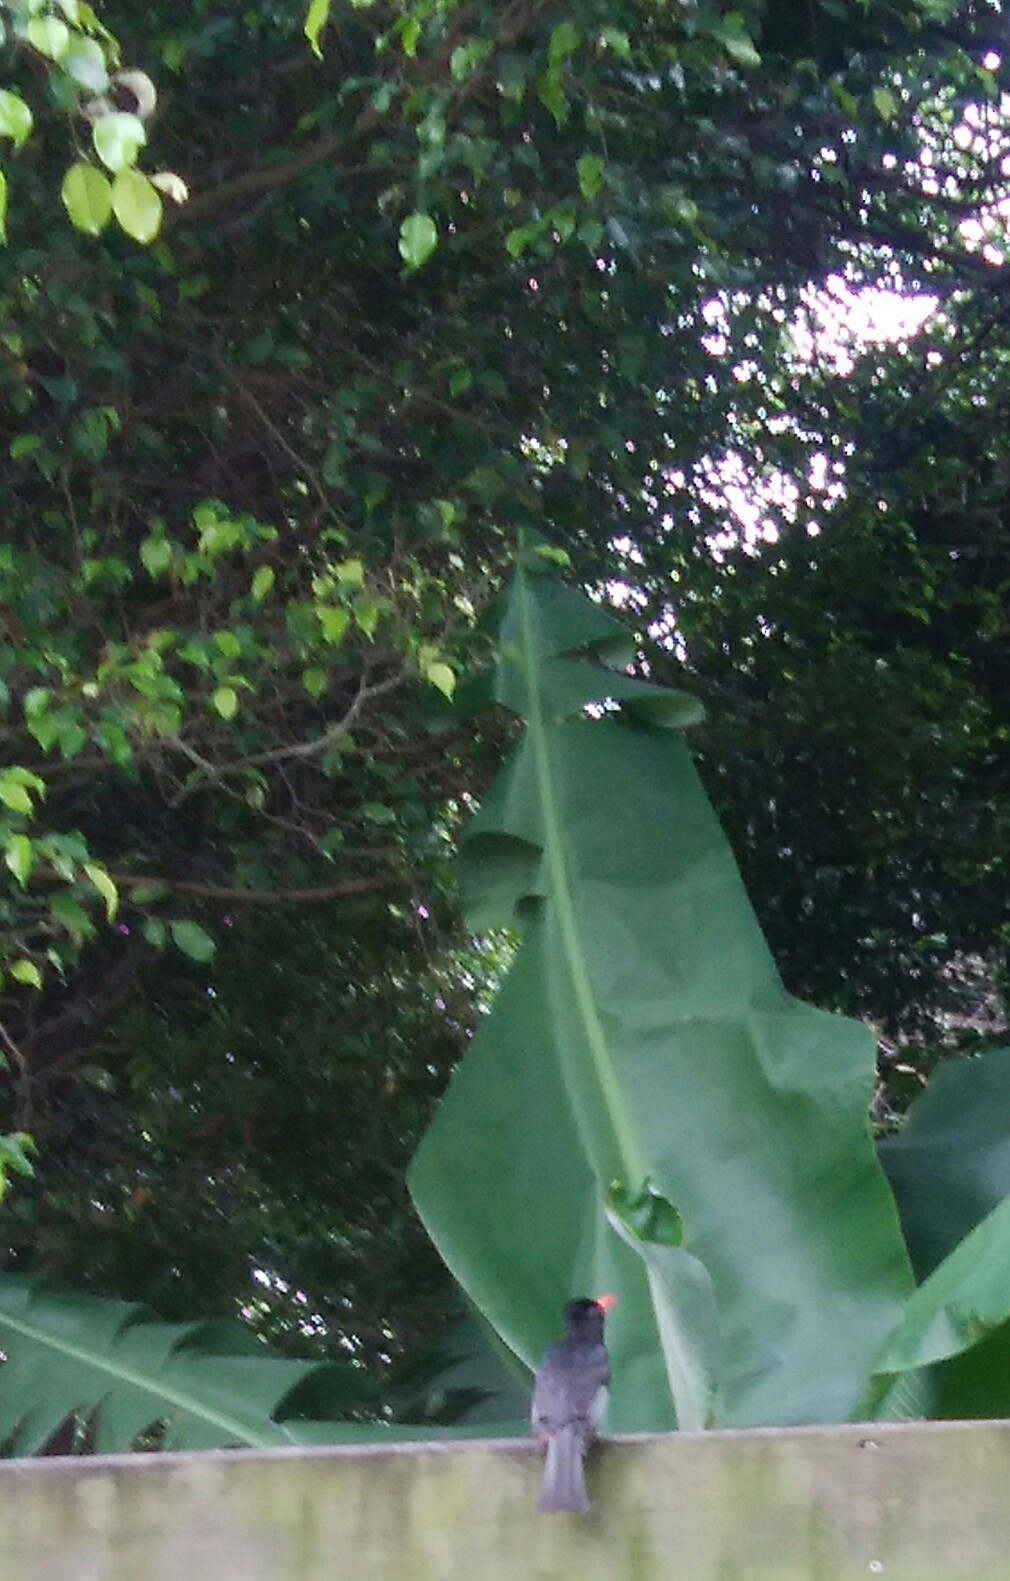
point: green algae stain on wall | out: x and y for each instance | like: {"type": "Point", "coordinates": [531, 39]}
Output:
{"type": "Point", "coordinates": [924, 1502]}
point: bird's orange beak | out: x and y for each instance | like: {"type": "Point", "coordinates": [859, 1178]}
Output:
{"type": "Point", "coordinates": [606, 1301]}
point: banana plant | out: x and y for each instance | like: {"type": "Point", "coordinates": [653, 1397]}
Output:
{"type": "Point", "coordinates": [120, 1374]}
{"type": "Point", "coordinates": [646, 1109]}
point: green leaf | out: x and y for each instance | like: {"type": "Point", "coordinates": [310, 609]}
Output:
{"type": "Point", "coordinates": [24, 445]}
{"type": "Point", "coordinates": [18, 855]}
{"type": "Point", "coordinates": [949, 1166]}
{"type": "Point", "coordinates": [564, 41]}
{"type": "Point", "coordinates": [17, 774]}
{"type": "Point", "coordinates": [965, 1299]}
{"type": "Point", "coordinates": [687, 1318]}
{"type": "Point", "coordinates": [351, 573]}
{"type": "Point", "coordinates": [732, 34]}
{"type": "Point", "coordinates": [15, 118]}
{"type": "Point", "coordinates": [15, 1147]}
{"type": "Point", "coordinates": [156, 556]}
{"type": "Point", "coordinates": [225, 701]}
{"type": "Point", "coordinates": [147, 894]}
{"type": "Point", "coordinates": [84, 61]}
{"type": "Point", "coordinates": [643, 1035]}
{"type": "Point", "coordinates": [118, 139]}
{"type": "Point", "coordinates": [409, 29]}
{"type": "Point", "coordinates": [590, 168]}
{"type": "Point", "coordinates": [616, 39]}
{"type": "Point", "coordinates": [228, 642]}
{"type": "Point", "coordinates": [105, 887]}
{"type": "Point", "coordinates": [314, 682]}
{"type": "Point", "coordinates": [207, 1384]}
{"type": "Point", "coordinates": [885, 104]}
{"type": "Point", "coordinates": [193, 941]}
{"type": "Point", "coordinates": [3, 207]}
{"type": "Point", "coordinates": [136, 205]}
{"type": "Point", "coordinates": [26, 972]}
{"type": "Point", "coordinates": [334, 622]}
{"type": "Point", "coordinates": [49, 36]}
{"type": "Point", "coordinates": [71, 916]}
{"type": "Point", "coordinates": [315, 20]}
{"type": "Point", "coordinates": [87, 198]}
{"type": "Point", "coordinates": [14, 795]}
{"type": "Point", "coordinates": [377, 812]}
{"type": "Point", "coordinates": [466, 57]}
{"type": "Point", "coordinates": [440, 675]}
{"type": "Point", "coordinates": [418, 239]}
{"type": "Point", "coordinates": [367, 612]}
{"type": "Point", "coordinates": [262, 582]}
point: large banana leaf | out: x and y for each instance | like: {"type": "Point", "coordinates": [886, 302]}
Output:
{"type": "Point", "coordinates": [109, 1365]}
{"type": "Point", "coordinates": [643, 1044]}
{"type": "Point", "coordinates": [965, 1299]}
{"type": "Point", "coordinates": [949, 1168]}
{"type": "Point", "coordinates": [949, 1165]}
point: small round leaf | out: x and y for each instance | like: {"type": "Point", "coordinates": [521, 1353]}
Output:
{"type": "Point", "coordinates": [49, 36]}
{"type": "Point", "coordinates": [15, 118]}
{"type": "Point", "coordinates": [87, 198]}
{"type": "Point", "coordinates": [18, 856]}
{"type": "Point", "coordinates": [225, 701]}
{"type": "Point", "coordinates": [118, 139]}
{"type": "Point", "coordinates": [193, 941]}
{"type": "Point", "coordinates": [418, 239]}
{"type": "Point", "coordinates": [85, 63]}
{"type": "Point", "coordinates": [136, 205]}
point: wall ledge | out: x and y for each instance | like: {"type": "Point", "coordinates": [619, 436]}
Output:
{"type": "Point", "coordinates": [903, 1501]}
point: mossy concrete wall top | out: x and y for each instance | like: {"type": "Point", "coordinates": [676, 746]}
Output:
{"type": "Point", "coordinates": [927, 1502]}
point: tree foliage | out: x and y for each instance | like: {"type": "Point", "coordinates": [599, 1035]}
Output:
{"type": "Point", "coordinates": [448, 272]}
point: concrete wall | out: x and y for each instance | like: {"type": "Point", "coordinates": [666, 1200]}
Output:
{"type": "Point", "coordinates": [906, 1503]}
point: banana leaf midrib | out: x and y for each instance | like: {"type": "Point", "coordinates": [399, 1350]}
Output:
{"type": "Point", "coordinates": [561, 897]}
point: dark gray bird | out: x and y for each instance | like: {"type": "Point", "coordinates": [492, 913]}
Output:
{"type": "Point", "coordinates": [569, 1399]}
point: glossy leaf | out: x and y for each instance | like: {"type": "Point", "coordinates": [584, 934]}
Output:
{"type": "Point", "coordinates": [225, 701]}
{"type": "Point", "coordinates": [84, 61]}
{"type": "Point", "coordinates": [316, 18]}
{"type": "Point", "coordinates": [87, 198]}
{"type": "Point", "coordinates": [18, 857]}
{"type": "Point", "coordinates": [118, 139]}
{"type": "Point", "coordinates": [105, 886]}
{"type": "Point", "coordinates": [136, 205]}
{"type": "Point", "coordinates": [418, 239]}
{"type": "Point", "coordinates": [49, 36]}
{"type": "Point", "coordinates": [14, 793]}
{"type": "Point", "coordinates": [15, 118]}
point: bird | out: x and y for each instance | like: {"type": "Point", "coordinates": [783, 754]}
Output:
{"type": "Point", "coordinates": [570, 1394]}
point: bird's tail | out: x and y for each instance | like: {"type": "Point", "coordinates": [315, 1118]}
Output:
{"type": "Point", "coordinates": [564, 1484]}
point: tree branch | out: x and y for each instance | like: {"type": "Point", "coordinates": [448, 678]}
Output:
{"type": "Point", "coordinates": [305, 894]}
